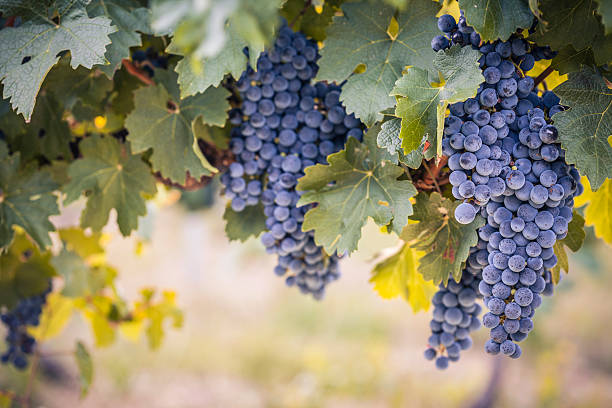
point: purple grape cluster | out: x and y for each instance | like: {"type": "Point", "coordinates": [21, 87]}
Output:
{"type": "Point", "coordinates": [508, 167]}
{"type": "Point", "coordinates": [284, 125]}
{"type": "Point", "coordinates": [20, 343]}
{"type": "Point", "coordinates": [456, 312]}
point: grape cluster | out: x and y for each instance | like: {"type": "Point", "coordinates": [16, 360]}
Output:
{"type": "Point", "coordinates": [284, 125]}
{"type": "Point", "coordinates": [456, 312]}
{"type": "Point", "coordinates": [20, 343]}
{"type": "Point", "coordinates": [507, 166]}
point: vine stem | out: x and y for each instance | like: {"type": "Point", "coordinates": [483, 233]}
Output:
{"type": "Point", "coordinates": [433, 177]}
{"type": "Point", "coordinates": [301, 13]}
{"type": "Point", "coordinates": [25, 402]}
{"type": "Point", "coordinates": [138, 73]}
{"type": "Point", "coordinates": [543, 76]}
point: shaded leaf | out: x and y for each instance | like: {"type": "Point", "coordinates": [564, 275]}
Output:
{"type": "Point", "coordinates": [605, 11]}
{"type": "Point", "coordinates": [569, 22]}
{"type": "Point", "coordinates": [446, 242]}
{"type": "Point", "coordinates": [26, 200]}
{"type": "Point", "coordinates": [585, 129]}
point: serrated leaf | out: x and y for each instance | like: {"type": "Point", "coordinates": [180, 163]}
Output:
{"type": "Point", "coordinates": [605, 11]}
{"type": "Point", "coordinates": [85, 365]}
{"type": "Point", "coordinates": [570, 22]}
{"type": "Point", "coordinates": [446, 242]}
{"type": "Point", "coordinates": [389, 138]}
{"type": "Point", "coordinates": [114, 178]}
{"type": "Point", "coordinates": [130, 19]}
{"type": "Point", "coordinates": [245, 224]}
{"type": "Point", "coordinates": [421, 102]}
{"type": "Point", "coordinates": [54, 318]}
{"type": "Point", "coordinates": [598, 212]}
{"type": "Point", "coordinates": [585, 129]}
{"type": "Point", "coordinates": [26, 200]}
{"type": "Point", "coordinates": [164, 122]}
{"type": "Point", "coordinates": [28, 52]}
{"type": "Point", "coordinates": [24, 271]}
{"type": "Point", "coordinates": [97, 316]}
{"type": "Point", "coordinates": [398, 276]}
{"type": "Point", "coordinates": [359, 182]}
{"type": "Point", "coordinates": [360, 38]}
{"type": "Point", "coordinates": [495, 19]}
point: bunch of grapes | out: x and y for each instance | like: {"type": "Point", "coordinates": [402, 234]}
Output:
{"type": "Point", "coordinates": [456, 312]}
{"type": "Point", "coordinates": [284, 125]}
{"type": "Point", "coordinates": [20, 343]}
{"type": "Point", "coordinates": [507, 166]}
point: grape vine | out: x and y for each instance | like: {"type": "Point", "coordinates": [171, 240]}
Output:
{"type": "Point", "coordinates": [479, 138]}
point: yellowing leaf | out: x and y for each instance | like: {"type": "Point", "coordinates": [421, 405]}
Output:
{"type": "Point", "coordinates": [598, 212]}
{"type": "Point", "coordinates": [398, 276]}
{"type": "Point", "coordinates": [131, 330]}
{"type": "Point", "coordinates": [85, 245]}
{"type": "Point", "coordinates": [56, 314]}
{"type": "Point", "coordinates": [102, 330]}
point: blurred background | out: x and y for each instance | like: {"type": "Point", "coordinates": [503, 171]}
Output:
{"type": "Point", "coordinates": [249, 341]}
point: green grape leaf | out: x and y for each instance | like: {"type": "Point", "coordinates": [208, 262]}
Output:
{"type": "Point", "coordinates": [164, 122]}
{"type": "Point", "coordinates": [240, 226]}
{"type": "Point", "coordinates": [130, 19]}
{"type": "Point", "coordinates": [24, 271]}
{"type": "Point", "coordinates": [361, 38]}
{"type": "Point", "coordinates": [398, 276]}
{"type": "Point", "coordinates": [389, 138]}
{"type": "Point", "coordinates": [598, 212]}
{"type": "Point", "coordinates": [422, 102]}
{"type": "Point", "coordinates": [112, 177]}
{"type": "Point", "coordinates": [196, 75]}
{"type": "Point", "coordinates": [585, 129]}
{"type": "Point", "coordinates": [569, 60]}
{"type": "Point", "coordinates": [495, 19]}
{"type": "Point", "coordinates": [26, 200]}
{"type": "Point", "coordinates": [85, 365]}
{"type": "Point", "coordinates": [568, 22]}
{"type": "Point", "coordinates": [605, 11]}
{"type": "Point", "coordinates": [307, 19]}
{"type": "Point", "coordinates": [47, 135]}
{"type": "Point", "coordinates": [360, 181]}
{"type": "Point", "coordinates": [28, 52]}
{"type": "Point", "coordinates": [446, 242]}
